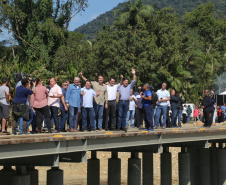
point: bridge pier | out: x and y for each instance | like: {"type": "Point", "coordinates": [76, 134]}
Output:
{"type": "Point", "coordinates": [147, 162]}
{"type": "Point", "coordinates": [221, 166]}
{"type": "Point", "coordinates": [166, 167]}
{"type": "Point", "coordinates": [184, 167]}
{"type": "Point", "coordinates": [33, 175]}
{"type": "Point", "coordinates": [205, 166]}
{"type": "Point", "coordinates": [21, 177]}
{"type": "Point", "coordinates": [6, 175]}
{"type": "Point", "coordinates": [114, 169]}
{"type": "Point", "coordinates": [213, 165]}
{"type": "Point", "coordinates": [55, 176]}
{"type": "Point", "coordinates": [134, 169]}
{"type": "Point", "coordinates": [93, 170]}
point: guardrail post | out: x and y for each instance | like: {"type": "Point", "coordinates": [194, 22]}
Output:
{"type": "Point", "coordinates": [205, 166]}
{"type": "Point", "coordinates": [213, 165]}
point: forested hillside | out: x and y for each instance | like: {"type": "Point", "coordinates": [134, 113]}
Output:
{"type": "Point", "coordinates": [180, 6]}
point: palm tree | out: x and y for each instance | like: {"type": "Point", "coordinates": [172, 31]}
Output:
{"type": "Point", "coordinates": [133, 15]}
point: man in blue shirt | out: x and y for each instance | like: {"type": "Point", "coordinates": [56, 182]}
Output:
{"type": "Point", "coordinates": [20, 109]}
{"type": "Point", "coordinates": [124, 96]}
{"type": "Point", "coordinates": [73, 102]}
{"type": "Point", "coordinates": [87, 106]}
{"type": "Point", "coordinates": [148, 108]}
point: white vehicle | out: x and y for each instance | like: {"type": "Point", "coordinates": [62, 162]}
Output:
{"type": "Point", "coordinates": [192, 107]}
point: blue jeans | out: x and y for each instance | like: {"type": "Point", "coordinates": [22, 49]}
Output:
{"type": "Point", "coordinates": [123, 107]}
{"type": "Point", "coordinates": [51, 120]}
{"type": "Point", "coordinates": [188, 118]}
{"type": "Point", "coordinates": [179, 117]}
{"type": "Point", "coordinates": [85, 113]}
{"type": "Point", "coordinates": [32, 120]}
{"type": "Point", "coordinates": [54, 115]}
{"type": "Point", "coordinates": [148, 116]}
{"type": "Point", "coordinates": [130, 116]}
{"type": "Point", "coordinates": [20, 123]}
{"type": "Point", "coordinates": [159, 110]}
{"type": "Point", "coordinates": [72, 116]}
{"type": "Point", "coordinates": [174, 117]}
{"type": "Point", "coordinates": [63, 118]}
{"type": "Point", "coordinates": [99, 111]}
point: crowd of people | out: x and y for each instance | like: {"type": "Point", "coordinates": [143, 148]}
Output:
{"type": "Point", "coordinates": [97, 106]}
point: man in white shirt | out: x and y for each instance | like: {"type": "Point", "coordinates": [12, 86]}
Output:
{"type": "Point", "coordinates": [110, 111]}
{"type": "Point", "coordinates": [163, 97]}
{"type": "Point", "coordinates": [55, 95]}
{"type": "Point", "coordinates": [87, 106]}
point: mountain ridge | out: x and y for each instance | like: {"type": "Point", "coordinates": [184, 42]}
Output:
{"type": "Point", "coordinates": [181, 7]}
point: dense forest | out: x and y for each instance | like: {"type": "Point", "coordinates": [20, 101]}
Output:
{"type": "Point", "coordinates": [187, 51]}
{"type": "Point", "coordinates": [180, 7]}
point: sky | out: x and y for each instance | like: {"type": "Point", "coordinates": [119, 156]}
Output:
{"type": "Point", "coordinates": [95, 8]}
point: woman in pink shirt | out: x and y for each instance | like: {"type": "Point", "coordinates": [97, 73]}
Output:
{"type": "Point", "coordinates": [39, 103]}
{"type": "Point", "coordinates": [196, 114]}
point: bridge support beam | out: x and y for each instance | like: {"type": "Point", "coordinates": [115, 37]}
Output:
{"type": "Point", "coordinates": [134, 169]}
{"type": "Point", "coordinates": [194, 166]}
{"type": "Point", "coordinates": [147, 162]}
{"type": "Point", "coordinates": [221, 166]}
{"type": "Point", "coordinates": [33, 175]}
{"type": "Point", "coordinates": [166, 167]}
{"type": "Point", "coordinates": [213, 165]}
{"type": "Point", "coordinates": [93, 170]}
{"type": "Point", "coordinates": [6, 175]}
{"type": "Point", "coordinates": [205, 166]}
{"type": "Point", "coordinates": [114, 169]}
{"type": "Point", "coordinates": [184, 167]}
{"type": "Point", "coordinates": [21, 177]}
{"type": "Point", "coordinates": [55, 176]}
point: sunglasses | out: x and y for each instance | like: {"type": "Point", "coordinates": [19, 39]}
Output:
{"type": "Point", "coordinates": [65, 84]}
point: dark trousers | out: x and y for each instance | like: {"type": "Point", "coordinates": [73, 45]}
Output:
{"type": "Point", "coordinates": [54, 115]}
{"type": "Point", "coordinates": [63, 118]}
{"type": "Point", "coordinates": [139, 117]}
{"type": "Point", "coordinates": [123, 107]}
{"type": "Point", "coordinates": [40, 112]}
{"type": "Point", "coordinates": [110, 114]}
{"type": "Point", "coordinates": [184, 118]}
{"type": "Point", "coordinates": [207, 117]}
{"type": "Point", "coordinates": [174, 117]}
{"type": "Point", "coordinates": [220, 119]}
{"type": "Point", "coordinates": [167, 117]}
{"type": "Point", "coordinates": [148, 116]}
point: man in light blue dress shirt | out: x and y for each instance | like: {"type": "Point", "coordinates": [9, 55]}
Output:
{"type": "Point", "coordinates": [73, 102]}
{"type": "Point", "coordinates": [87, 106]}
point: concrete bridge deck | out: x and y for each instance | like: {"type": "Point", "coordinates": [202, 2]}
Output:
{"type": "Point", "coordinates": [198, 164]}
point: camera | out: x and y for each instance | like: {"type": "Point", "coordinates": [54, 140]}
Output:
{"type": "Point", "coordinates": [19, 76]}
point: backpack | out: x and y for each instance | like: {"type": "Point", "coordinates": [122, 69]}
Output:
{"type": "Point", "coordinates": [154, 98]}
